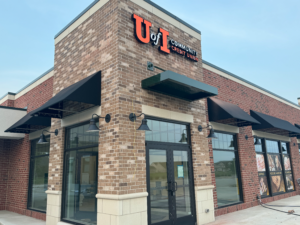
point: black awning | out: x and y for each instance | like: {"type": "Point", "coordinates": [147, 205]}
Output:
{"type": "Point", "coordinates": [29, 124]}
{"type": "Point", "coordinates": [274, 125]}
{"type": "Point", "coordinates": [76, 98]}
{"type": "Point", "coordinates": [227, 113]}
{"type": "Point", "coordinates": [178, 86]}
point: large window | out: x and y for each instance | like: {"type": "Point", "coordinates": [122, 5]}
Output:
{"type": "Point", "coordinates": [162, 131]}
{"type": "Point", "coordinates": [262, 170]}
{"type": "Point", "coordinates": [38, 179]}
{"type": "Point", "coordinates": [80, 176]}
{"type": "Point", "coordinates": [287, 167]}
{"type": "Point", "coordinates": [274, 167]}
{"type": "Point", "coordinates": [226, 170]}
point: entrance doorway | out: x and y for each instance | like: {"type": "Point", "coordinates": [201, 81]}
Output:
{"type": "Point", "coordinates": [170, 186]}
{"type": "Point", "coordinates": [79, 203]}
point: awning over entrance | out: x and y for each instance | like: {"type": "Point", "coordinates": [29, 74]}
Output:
{"type": "Point", "coordinates": [274, 125]}
{"type": "Point", "coordinates": [76, 98]}
{"type": "Point", "coordinates": [178, 86]}
{"type": "Point", "coordinates": [9, 116]}
{"type": "Point", "coordinates": [29, 124]}
{"type": "Point", "coordinates": [227, 113]}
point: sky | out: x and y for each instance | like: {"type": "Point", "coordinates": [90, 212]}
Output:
{"type": "Point", "coordinates": [256, 40]}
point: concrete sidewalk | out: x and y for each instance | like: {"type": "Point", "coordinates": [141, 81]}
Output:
{"type": "Point", "coordinates": [260, 215]}
{"type": "Point", "coordinates": [10, 218]}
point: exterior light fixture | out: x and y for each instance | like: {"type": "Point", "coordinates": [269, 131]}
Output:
{"type": "Point", "coordinates": [211, 133]}
{"type": "Point", "coordinates": [257, 141]}
{"type": "Point", "coordinates": [144, 125]}
{"type": "Point", "coordinates": [43, 138]}
{"type": "Point", "coordinates": [93, 127]}
{"type": "Point", "coordinates": [183, 137]}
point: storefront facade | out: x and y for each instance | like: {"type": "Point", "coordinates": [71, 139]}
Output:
{"type": "Point", "coordinates": [120, 58]}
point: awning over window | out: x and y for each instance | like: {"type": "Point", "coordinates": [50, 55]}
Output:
{"type": "Point", "coordinates": [227, 113]}
{"type": "Point", "coordinates": [178, 86]}
{"type": "Point", "coordinates": [274, 125]}
{"type": "Point", "coordinates": [76, 98]}
{"type": "Point", "coordinates": [29, 124]}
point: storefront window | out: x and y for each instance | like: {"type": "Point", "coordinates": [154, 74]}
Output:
{"type": "Point", "coordinates": [226, 169]}
{"type": "Point", "coordinates": [262, 171]}
{"type": "Point", "coordinates": [287, 167]}
{"type": "Point", "coordinates": [275, 167]}
{"type": "Point", "coordinates": [80, 176]}
{"type": "Point", "coordinates": [38, 181]}
{"type": "Point", "coordinates": [166, 132]}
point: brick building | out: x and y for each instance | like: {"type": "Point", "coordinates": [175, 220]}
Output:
{"type": "Point", "coordinates": [180, 140]}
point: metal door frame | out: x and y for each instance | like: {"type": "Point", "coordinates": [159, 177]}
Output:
{"type": "Point", "coordinates": [170, 147]}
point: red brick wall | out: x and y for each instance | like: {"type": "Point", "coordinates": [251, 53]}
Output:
{"type": "Point", "coordinates": [17, 161]}
{"type": "Point", "coordinates": [4, 151]}
{"type": "Point", "coordinates": [8, 103]}
{"type": "Point", "coordinates": [249, 99]}
{"type": "Point", "coordinates": [37, 96]}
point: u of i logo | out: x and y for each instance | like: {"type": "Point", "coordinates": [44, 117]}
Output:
{"type": "Point", "coordinates": [147, 37]}
{"type": "Point", "coordinates": [162, 36]}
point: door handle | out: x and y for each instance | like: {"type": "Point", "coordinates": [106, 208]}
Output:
{"type": "Point", "coordinates": [175, 186]}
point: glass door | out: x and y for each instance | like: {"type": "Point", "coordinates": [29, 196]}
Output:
{"type": "Point", "coordinates": [87, 186]}
{"type": "Point", "coordinates": [170, 199]}
{"type": "Point", "coordinates": [80, 204]}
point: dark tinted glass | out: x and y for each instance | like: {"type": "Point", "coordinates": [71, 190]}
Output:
{"type": "Point", "coordinates": [226, 178]}
{"type": "Point", "coordinates": [38, 183]}
{"type": "Point", "coordinates": [40, 149]}
{"type": "Point", "coordinates": [272, 146]}
{"type": "Point", "coordinates": [224, 141]}
{"type": "Point", "coordinates": [80, 205]}
{"type": "Point", "coordinates": [166, 132]}
{"type": "Point", "coordinates": [78, 137]}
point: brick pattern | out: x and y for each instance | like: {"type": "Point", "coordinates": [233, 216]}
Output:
{"type": "Point", "coordinates": [36, 97]}
{"type": "Point", "coordinates": [106, 42]}
{"type": "Point", "coordinates": [15, 157]}
{"type": "Point", "coordinates": [8, 103]}
{"type": "Point", "coordinates": [248, 99]}
{"type": "Point", "coordinates": [4, 151]}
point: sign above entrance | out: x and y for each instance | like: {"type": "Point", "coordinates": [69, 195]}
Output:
{"type": "Point", "coordinates": [144, 34]}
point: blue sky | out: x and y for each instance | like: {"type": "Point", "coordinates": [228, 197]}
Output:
{"type": "Point", "coordinates": [256, 40]}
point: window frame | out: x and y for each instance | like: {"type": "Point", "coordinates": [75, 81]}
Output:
{"type": "Point", "coordinates": [64, 181]}
{"type": "Point", "coordinates": [238, 169]}
{"type": "Point", "coordinates": [188, 130]}
{"type": "Point", "coordinates": [288, 144]}
{"type": "Point", "coordinates": [265, 152]}
{"type": "Point", "coordinates": [30, 177]}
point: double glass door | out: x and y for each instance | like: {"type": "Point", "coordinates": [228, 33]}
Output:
{"type": "Point", "coordinates": [170, 185]}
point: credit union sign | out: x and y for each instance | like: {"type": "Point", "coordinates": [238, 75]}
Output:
{"type": "Point", "coordinates": [161, 38]}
